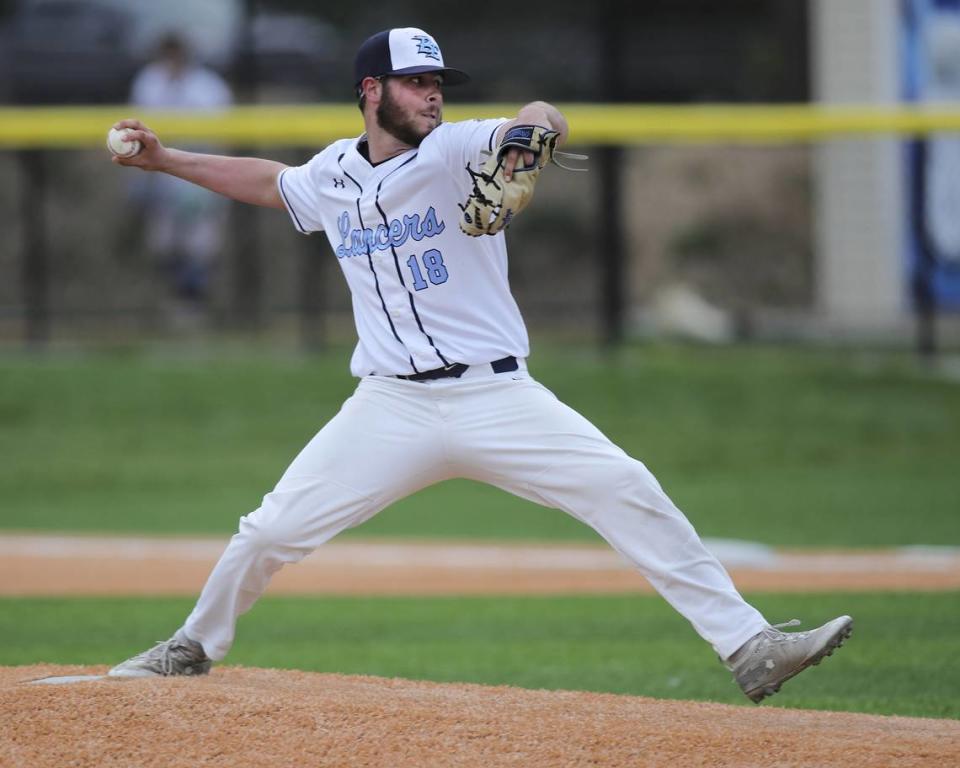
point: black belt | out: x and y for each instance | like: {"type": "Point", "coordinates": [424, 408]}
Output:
{"type": "Point", "coordinates": [456, 370]}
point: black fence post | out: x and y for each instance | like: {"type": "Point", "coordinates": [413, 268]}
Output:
{"type": "Point", "coordinates": [924, 301]}
{"type": "Point", "coordinates": [35, 273]}
{"type": "Point", "coordinates": [247, 300]}
{"type": "Point", "coordinates": [312, 304]}
{"type": "Point", "coordinates": [612, 241]}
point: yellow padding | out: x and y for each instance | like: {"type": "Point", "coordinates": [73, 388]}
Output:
{"type": "Point", "coordinates": [626, 124]}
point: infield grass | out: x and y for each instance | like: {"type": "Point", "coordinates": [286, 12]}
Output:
{"type": "Point", "coordinates": [788, 447]}
{"type": "Point", "coordinates": [900, 659]}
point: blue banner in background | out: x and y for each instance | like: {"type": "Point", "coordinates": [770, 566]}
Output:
{"type": "Point", "coordinates": [931, 74]}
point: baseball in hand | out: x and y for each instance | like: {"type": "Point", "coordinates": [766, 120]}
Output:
{"type": "Point", "coordinates": [118, 144]}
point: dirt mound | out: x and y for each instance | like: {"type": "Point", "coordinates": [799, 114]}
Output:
{"type": "Point", "coordinates": [255, 717]}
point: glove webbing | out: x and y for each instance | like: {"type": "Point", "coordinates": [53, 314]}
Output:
{"type": "Point", "coordinates": [477, 195]}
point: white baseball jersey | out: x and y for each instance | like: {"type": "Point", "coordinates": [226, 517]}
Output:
{"type": "Point", "coordinates": [425, 295]}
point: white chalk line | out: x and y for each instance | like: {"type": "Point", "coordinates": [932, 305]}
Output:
{"type": "Point", "coordinates": [468, 556]}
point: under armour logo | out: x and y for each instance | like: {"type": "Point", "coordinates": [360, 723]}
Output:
{"type": "Point", "coordinates": [338, 183]}
{"type": "Point", "coordinates": [428, 47]}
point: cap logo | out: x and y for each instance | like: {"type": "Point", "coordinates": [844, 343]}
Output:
{"type": "Point", "coordinates": [427, 47]}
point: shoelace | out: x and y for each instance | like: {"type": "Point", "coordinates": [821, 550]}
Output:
{"type": "Point", "coordinates": [774, 634]}
{"type": "Point", "coordinates": [164, 652]}
{"type": "Point", "coordinates": [791, 623]}
{"type": "Point", "coordinates": [557, 154]}
{"type": "Point", "coordinates": [569, 156]}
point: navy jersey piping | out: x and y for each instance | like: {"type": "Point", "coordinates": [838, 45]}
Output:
{"type": "Point", "coordinates": [286, 200]}
{"type": "Point", "coordinates": [396, 262]}
{"type": "Point", "coordinates": [493, 133]}
{"type": "Point", "coordinates": [376, 280]}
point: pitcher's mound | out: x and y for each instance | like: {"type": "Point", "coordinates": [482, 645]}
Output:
{"type": "Point", "coordinates": [257, 717]}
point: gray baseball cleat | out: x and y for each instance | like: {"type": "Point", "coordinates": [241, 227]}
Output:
{"type": "Point", "coordinates": [177, 656]}
{"type": "Point", "coordinates": [771, 657]}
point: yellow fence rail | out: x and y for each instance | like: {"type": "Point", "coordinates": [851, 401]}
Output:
{"type": "Point", "coordinates": [310, 126]}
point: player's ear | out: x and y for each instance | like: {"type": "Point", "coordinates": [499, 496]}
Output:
{"type": "Point", "coordinates": [372, 88]}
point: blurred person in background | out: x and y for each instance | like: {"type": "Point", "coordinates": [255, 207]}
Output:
{"type": "Point", "coordinates": [183, 224]}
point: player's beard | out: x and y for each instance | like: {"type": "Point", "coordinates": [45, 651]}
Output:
{"type": "Point", "coordinates": [391, 118]}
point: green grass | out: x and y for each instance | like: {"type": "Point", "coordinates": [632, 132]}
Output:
{"type": "Point", "coordinates": [899, 661]}
{"type": "Point", "coordinates": [784, 446]}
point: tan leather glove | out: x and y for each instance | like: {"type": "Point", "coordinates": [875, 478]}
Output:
{"type": "Point", "coordinates": [494, 201]}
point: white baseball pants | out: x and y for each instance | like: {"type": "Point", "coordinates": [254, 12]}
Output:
{"type": "Point", "coordinates": [394, 437]}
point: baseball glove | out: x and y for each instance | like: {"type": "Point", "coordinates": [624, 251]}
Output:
{"type": "Point", "coordinates": [494, 201]}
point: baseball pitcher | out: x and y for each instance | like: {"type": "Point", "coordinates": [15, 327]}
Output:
{"type": "Point", "coordinates": [415, 211]}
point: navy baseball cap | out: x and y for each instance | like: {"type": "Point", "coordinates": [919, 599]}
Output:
{"type": "Point", "coordinates": [404, 51]}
